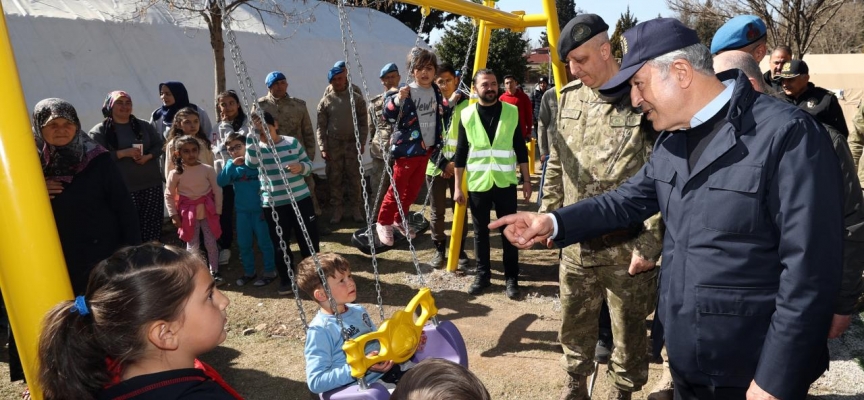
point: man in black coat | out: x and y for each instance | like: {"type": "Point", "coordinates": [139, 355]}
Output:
{"type": "Point", "coordinates": [818, 102]}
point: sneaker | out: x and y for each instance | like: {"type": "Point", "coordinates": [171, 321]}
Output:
{"type": "Point", "coordinates": [576, 389]}
{"type": "Point", "coordinates": [358, 216]}
{"type": "Point", "coordinates": [385, 234]}
{"type": "Point", "coordinates": [512, 289]}
{"type": "Point", "coordinates": [437, 260]}
{"type": "Point", "coordinates": [245, 279]}
{"type": "Point", "coordinates": [603, 350]}
{"type": "Point", "coordinates": [401, 229]}
{"type": "Point", "coordinates": [285, 289]}
{"type": "Point", "coordinates": [480, 283]}
{"type": "Point", "coordinates": [264, 281]}
{"type": "Point", "coordinates": [217, 277]}
{"type": "Point", "coordinates": [224, 256]}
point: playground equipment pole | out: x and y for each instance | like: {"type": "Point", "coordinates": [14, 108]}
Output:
{"type": "Point", "coordinates": [33, 274]}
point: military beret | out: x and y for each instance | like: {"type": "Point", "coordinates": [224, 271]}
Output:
{"type": "Point", "coordinates": [388, 69]}
{"type": "Point", "coordinates": [578, 31]}
{"type": "Point", "coordinates": [737, 33]}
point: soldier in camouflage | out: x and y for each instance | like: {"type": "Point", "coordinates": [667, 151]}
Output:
{"type": "Point", "coordinates": [293, 118]}
{"type": "Point", "coordinates": [380, 142]}
{"type": "Point", "coordinates": [600, 143]}
{"type": "Point", "coordinates": [336, 140]}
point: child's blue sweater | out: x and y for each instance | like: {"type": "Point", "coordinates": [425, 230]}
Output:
{"type": "Point", "coordinates": [326, 365]}
{"type": "Point", "coordinates": [247, 188]}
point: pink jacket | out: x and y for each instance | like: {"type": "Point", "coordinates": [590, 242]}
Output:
{"type": "Point", "coordinates": [187, 209]}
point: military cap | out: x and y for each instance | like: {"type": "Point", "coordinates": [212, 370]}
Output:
{"type": "Point", "coordinates": [645, 42]}
{"type": "Point", "coordinates": [578, 31]}
{"type": "Point", "coordinates": [793, 68]}
{"type": "Point", "coordinates": [737, 33]}
{"type": "Point", "coordinates": [388, 69]}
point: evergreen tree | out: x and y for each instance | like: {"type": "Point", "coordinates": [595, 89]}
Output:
{"type": "Point", "coordinates": [707, 23]}
{"type": "Point", "coordinates": [502, 59]}
{"type": "Point", "coordinates": [566, 11]}
{"type": "Point", "coordinates": [624, 23]}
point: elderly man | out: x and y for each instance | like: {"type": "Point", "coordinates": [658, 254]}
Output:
{"type": "Point", "coordinates": [337, 142]}
{"type": "Point", "coordinates": [601, 141]}
{"type": "Point", "coordinates": [822, 104]}
{"type": "Point", "coordinates": [751, 195]}
{"type": "Point", "coordinates": [293, 118]}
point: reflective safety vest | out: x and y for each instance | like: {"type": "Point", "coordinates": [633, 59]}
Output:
{"type": "Point", "coordinates": [450, 137]}
{"type": "Point", "coordinates": [493, 164]}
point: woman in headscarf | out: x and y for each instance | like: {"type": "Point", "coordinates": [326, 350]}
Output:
{"type": "Point", "coordinates": [135, 147]}
{"type": "Point", "coordinates": [174, 97]}
{"type": "Point", "coordinates": [93, 210]}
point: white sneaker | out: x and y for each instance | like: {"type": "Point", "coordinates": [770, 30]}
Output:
{"type": "Point", "coordinates": [385, 234]}
{"type": "Point", "coordinates": [411, 230]}
{"type": "Point", "coordinates": [224, 256]}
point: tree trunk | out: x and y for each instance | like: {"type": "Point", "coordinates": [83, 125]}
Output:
{"type": "Point", "coordinates": [217, 42]}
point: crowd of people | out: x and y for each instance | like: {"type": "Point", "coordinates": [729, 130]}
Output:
{"type": "Point", "coordinates": [742, 185]}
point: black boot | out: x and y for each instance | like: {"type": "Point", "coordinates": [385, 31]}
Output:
{"type": "Point", "coordinates": [438, 259]}
{"type": "Point", "coordinates": [481, 281]}
{"type": "Point", "coordinates": [603, 350]}
{"type": "Point", "coordinates": [512, 289]}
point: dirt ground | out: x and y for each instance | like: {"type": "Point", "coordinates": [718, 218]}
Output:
{"type": "Point", "coordinates": [512, 345]}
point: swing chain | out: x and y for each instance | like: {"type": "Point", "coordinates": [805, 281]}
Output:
{"type": "Point", "coordinates": [343, 23]}
{"type": "Point", "coordinates": [241, 71]}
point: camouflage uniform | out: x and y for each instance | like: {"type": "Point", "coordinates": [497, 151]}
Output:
{"type": "Point", "coordinates": [335, 133]}
{"type": "Point", "coordinates": [380, 144]}
{"type": "Point", "coordinates": [292, 116]}
{"type": "Point", "coordinates": [600, 144]}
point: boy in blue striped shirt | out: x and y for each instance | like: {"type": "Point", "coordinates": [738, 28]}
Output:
{"type": "Point", "coordinates": [294, 161]}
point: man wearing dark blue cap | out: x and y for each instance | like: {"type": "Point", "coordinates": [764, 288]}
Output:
{"type": "Point", "coordinates": [601, 141]}
{"type": "Point", "coordinates": [750, 192]}
{"type": "Point", "coordinates": [381, 131]}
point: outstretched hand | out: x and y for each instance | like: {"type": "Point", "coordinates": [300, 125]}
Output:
{"type": "Point", "coordinates": [524, 229]}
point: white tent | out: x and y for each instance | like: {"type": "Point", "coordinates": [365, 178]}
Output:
{"type": "Point", "coordinates": [80, 50]}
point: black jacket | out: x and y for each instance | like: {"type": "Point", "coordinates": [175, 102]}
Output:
{"type": "Point", "coordinates": [185, 384]}
{"type": "Point", "coordinates": [822, 105]}
{"type": "Point", "coordinates": [752, 255]}
{"type": "Point", "coordinates": [95, 217]}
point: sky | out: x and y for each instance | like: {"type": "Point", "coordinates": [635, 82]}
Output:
{"type": "Point", "coordinates": [609, 10]}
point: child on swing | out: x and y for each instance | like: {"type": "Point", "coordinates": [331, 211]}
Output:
{"type": "Point", "coordinates": [194, 200]}
{"type": "Point", "coordinates": [326, 364]}
{"type": "Point", "coordinates": [148, 312]}
{"type": "Point", "coordinates": [418, 112]}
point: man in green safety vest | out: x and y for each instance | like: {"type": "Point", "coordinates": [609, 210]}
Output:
{"type": "Point", "coordinates": [489, 146]}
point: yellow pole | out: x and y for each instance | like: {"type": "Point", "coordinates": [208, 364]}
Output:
{"type": "Point", "coordinates": [484, 33]}
{"type": "Point", "coordinates": [553, 30]}
{"type": "Point", "coordinates": [33, 276]}
{"type": "Point", "coordinates": [531, 145]}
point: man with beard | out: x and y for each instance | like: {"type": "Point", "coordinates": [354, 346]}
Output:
{"type": "Point", "coordinates": [489, 146]}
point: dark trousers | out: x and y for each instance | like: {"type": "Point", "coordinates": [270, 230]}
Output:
{"type": "Point", "coordinates": [689, 391]}
{"type": "Point", "coordinates": [226, 220]}
{"type": "Point", "coordinates": [289, 224]}
{"type": "Point", "coordinates": [440, 186]}
{"type": "Point", "coordinates": [481, 203]}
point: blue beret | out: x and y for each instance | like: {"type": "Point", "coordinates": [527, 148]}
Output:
{"type": "Point", "coordinates": [338, 68]}
{"type": "Point", "coordinates": [388, 69]}
{"type": "Point", "coordinates": [273, 77]}
{"type": "Point", "coordinates": [737, 33]}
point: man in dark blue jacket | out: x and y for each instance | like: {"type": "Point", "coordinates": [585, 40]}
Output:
{"type": "Point", "coordinates": [752, 202]}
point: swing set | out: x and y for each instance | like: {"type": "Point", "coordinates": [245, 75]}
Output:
{"type": "Point", "coordinates": [30, 238]}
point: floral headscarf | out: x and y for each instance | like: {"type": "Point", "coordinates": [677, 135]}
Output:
{"type": "Point", "coordinates": [62, 162]}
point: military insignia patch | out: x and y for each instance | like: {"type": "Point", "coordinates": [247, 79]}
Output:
{"type": "Point", "coordinates": [624, 47]}
{"type": "Point", "coordinates": [786, 67]}
{"type": "Point", "coordinates": [752, 32]}
{"type": "Point", "coordinates": [811, 103]}
{"type": "Point", "coordinates": [580, 32]}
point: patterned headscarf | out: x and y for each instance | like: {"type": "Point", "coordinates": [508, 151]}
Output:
{"type": "Point", "coordinates": [62, 162]}
{"type": "Point", "coordinates": [108, 104]}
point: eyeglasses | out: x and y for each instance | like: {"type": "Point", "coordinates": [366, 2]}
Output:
{"type": "Point", "coordinates": [234, 148]}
